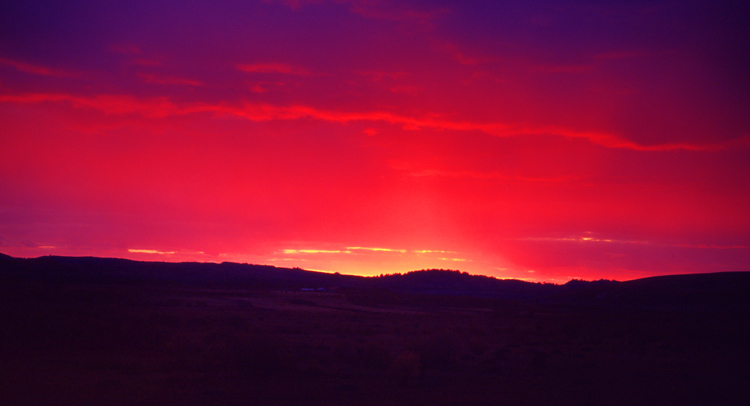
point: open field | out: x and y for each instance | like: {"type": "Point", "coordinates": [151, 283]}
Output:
{"type": "Point", "coordinates": [112, 345]}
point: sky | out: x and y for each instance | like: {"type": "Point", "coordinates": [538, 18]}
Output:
{"type": "Point", "coordinates": [535, 140]}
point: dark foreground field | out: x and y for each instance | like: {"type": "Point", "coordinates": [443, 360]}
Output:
{"type": "Point", "coordinates": [82, 343]}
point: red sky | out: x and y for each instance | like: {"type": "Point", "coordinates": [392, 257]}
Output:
{"type": "Point", "coordinates": [536, 140]}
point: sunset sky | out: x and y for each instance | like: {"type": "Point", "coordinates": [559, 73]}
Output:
{"type": "Point", "coordinates": [539, 140]}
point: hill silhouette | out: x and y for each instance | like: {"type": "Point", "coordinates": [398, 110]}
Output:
{"type": "Point", "coordinates": [91, 331]}
{"type": "Point", "coordinates": [92, 270]}
{"type": "Point", "coordinates": [692, 289]}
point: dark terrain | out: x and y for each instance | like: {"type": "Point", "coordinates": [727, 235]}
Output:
{"type": "Point", "coordinates": [94, 331]}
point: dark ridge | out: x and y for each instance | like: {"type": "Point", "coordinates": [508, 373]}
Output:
{"type": "Point", "coordinates": [730, 289]}
{"type": "Point", "coordinates": [456, 283]}
{"type": "Point", "coordinates": [93, 331]}
{"type": "Point", "coordinates": [91, 270]}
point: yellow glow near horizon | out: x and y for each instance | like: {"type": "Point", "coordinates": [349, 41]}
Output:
{"type": "Point", "coordinates": [138, 251]}
{"type": "Point", "coordinates": [288, 251]}
{"type": "Point", "coordinates": [377, 249]}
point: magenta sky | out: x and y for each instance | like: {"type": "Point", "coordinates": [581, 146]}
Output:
{"type": "Point", "coordinates": [536, 140]}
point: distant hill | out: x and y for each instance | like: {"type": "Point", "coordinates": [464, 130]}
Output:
{"type": "Point", "coordinates": [92, 270]}
{"type": "Point", "coordinates": [731, 289]}
{"type": "Point", "coordinates": [708, 289]}
{"type": "Point", "coordinates": [449, 282]}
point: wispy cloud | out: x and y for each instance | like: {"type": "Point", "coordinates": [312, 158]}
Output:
{"type": "Point", "coordinates": [377, 249]}
{"type": "Point", "coordinates": [461, 56]}
{"type": "Point", "coordinates": [380, 75]}
{"type": "Point", "coordinates": [282, 68]}
{"type": "Point", "coordinates": [147, 251]}
{"type": "Point", "coordinates": [495, 175]}
{"type": "Point", "coordinates": [387, 10]}
{"type": "Point", "coordinates": [34, 69]}
{"type": "Point", "coordinates": [109, 104]}
{"type": "Point", "coordinates": [395, 11]}
{"type": "Point", "coordinates": [587, 238]}
{"type": "Point", "coordinates": [354, 249]}
{"type": "Point", "coordinates": [715, 247]}
{"type": "Point", "coordinates": [569, 68]}
{"type": "Point", "coordinates": [135, 55]}
{"type": "Point", "coordinates": [313, 251]}
{"type": "Point", "coordinates": [591, 238]}
{"type": "Point", "coordinates": [264, 86]}
{"type": "Point", "coordinates": [167, 80]}
{"type": "Point", "coordinates": [584, 66]}
{"type": "Point", "coordinates": [264, 112]}
{"type": "Point", "coordinates": [161, 107]}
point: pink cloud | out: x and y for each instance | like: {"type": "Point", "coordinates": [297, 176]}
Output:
{"type": "Point", "coordinates": [411, 90]}
{"type": "Point", "coordinates": [571, 68]}
{"type": "Point", "coordinates": [378, 9]}
{"type": "Point", "coordinates": [461, 56]}
{"type": "Point", "coordinates": [380, 75]}
{"type": "Point", "coordinates": [167, 80]}
{"type": "Point", "coordinates": [108, 104]}
{"type": "Point", "coordinates": [282, 68]}
{"type": "Point", "coordinates": [161, 107]}
{"type": "Point", "coordinates": [34, 69]}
